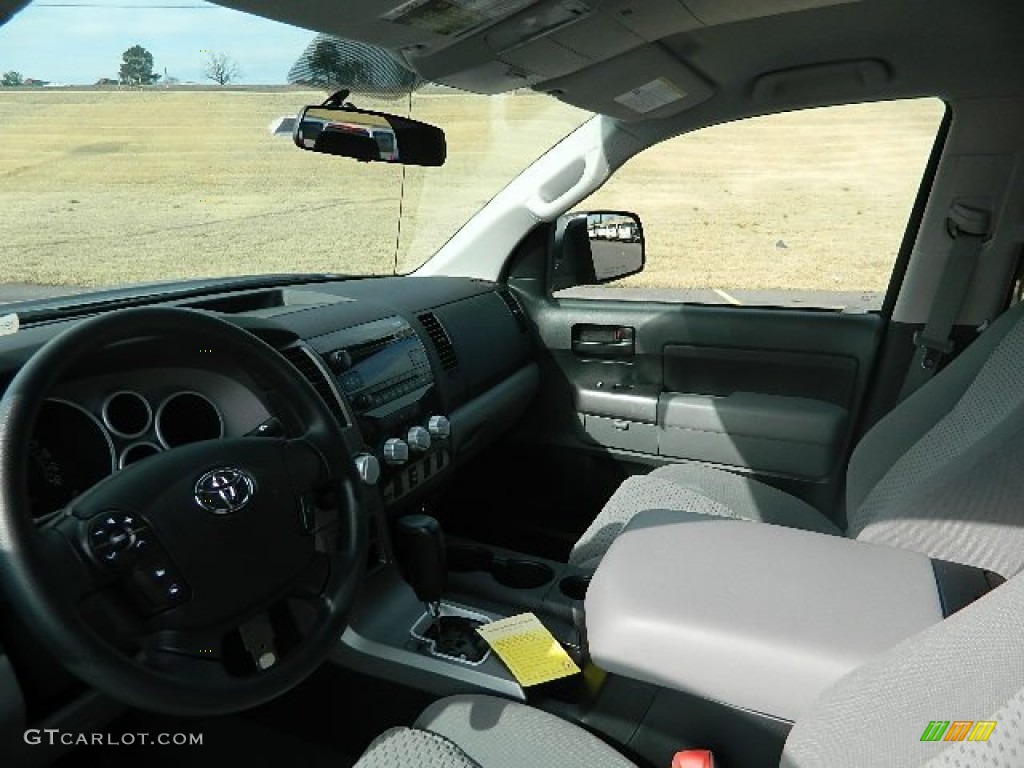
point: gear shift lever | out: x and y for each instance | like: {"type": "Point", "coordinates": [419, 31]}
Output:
{"type": "Point", "coordinates": [420, 551]}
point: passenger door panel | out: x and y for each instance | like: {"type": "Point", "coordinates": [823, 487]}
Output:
{"type": "Point", "coordinates": [772, 392]}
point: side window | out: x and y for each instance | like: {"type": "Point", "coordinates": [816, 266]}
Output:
{"type": "Point", "coordinates": [801, 209]}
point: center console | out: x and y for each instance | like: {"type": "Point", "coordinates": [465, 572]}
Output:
{"type": "Point", "coordinates": [758, 617]}
{"type": "Point", "coordinates": [416, 619]}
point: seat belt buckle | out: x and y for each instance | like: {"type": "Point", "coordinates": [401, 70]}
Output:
{"type": "Point", "coordinates": [933, 349]}
{"type": "Point", "coordinates": [693, 758]}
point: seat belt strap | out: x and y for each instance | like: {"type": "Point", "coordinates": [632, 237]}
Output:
{"type": "Point", "coordinates": [969, 228]}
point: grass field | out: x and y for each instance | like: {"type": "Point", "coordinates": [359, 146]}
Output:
{"type": "Point", "coordinates": [104, 187]}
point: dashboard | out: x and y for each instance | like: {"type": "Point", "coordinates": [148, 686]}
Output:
{"type": "Point", "coordinates": [420, 373]}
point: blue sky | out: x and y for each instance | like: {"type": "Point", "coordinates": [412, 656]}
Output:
{"type": "Point", "coordinates": [78, 45]}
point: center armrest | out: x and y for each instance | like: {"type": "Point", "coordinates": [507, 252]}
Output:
{"type": "Point", "coordinates": [748, 614]}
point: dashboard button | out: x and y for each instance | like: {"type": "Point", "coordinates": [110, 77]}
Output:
{"type": "Point", "coordinates": [439, 426]}
{"type": "Point", "coordinates": [419, 439]}
{"type": "Point", "coordinates": [368, 468]}
{"type": "Point", "coordinates": [339, 360]}
{"type": "Point", "coordinates": [396, 451]}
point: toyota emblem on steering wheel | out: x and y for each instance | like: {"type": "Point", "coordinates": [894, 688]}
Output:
{"type": "Point", "coordinates": [224, 490]}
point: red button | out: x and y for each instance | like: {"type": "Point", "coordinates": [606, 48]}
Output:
{"type": "Point", "coordinates": [693, 758]}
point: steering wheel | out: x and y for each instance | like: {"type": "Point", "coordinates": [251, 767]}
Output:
{"type": "Point", "coordinates": [205, 579]}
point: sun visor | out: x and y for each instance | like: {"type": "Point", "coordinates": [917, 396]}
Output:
{"type": "Point", "coordinates": [547, 40]}
{"type": "Point", "coordinates": [644, 84]}
{"type": "Point", "coordinates": [714, 12]}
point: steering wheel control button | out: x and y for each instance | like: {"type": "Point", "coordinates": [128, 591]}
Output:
{"type": "Point", "coordinates": [224, 490]}
{"type": "Point", "coordinates": [269, 428]}
{"type": "Point", "coordinates": [158, 587]}
{"type": "Point", "coordinates": [174, 593]}
{"type": "Point", "coordinates": [113, 538]}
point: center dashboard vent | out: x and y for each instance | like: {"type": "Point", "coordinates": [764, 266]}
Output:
{"type": "Point", "coordinates": [441, 340]}
{"type": "Point", "coordinates": [515, 308]}
{"type": "Point", "coordinates": [304, 360]}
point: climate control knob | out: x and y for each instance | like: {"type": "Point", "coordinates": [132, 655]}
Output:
{"type": "Point", "coordinates": [419, 439]}
{"type": "Point", "coordinates": [368, 468]}
{"type": "Point", "coordinates": [396, 451]}
{"type": "Point", "coordinates": [439, 427]}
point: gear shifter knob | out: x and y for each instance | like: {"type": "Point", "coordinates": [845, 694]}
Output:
{"type": "Point", "coordinates": [420, 551]}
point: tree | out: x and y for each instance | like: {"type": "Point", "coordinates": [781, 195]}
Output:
{"type": "Point", "coordinates": [221, 68]}
{"type": "Point", "coordinates": [12, 78]}
{"type": "Point", "coordinates": [328, 67]}
{"type": "Point", "coordinates": [137, 67]}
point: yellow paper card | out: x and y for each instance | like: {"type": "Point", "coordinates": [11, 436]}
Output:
{"type": "Point", "coordinates": [528, 649]}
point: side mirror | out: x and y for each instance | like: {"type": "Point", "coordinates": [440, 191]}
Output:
{"type": "Point", "coordinates": [595, 247]}
{"type": "Point", "coordinates": [336, 127]}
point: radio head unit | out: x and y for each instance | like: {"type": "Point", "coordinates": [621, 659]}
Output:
{"type": "Point", "coordinates": [381, 362]}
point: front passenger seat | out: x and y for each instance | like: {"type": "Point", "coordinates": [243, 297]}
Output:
{"type": "Point", "coordinates": [941, 474]}
{"type": "Point", "coordinates": [970, 666]}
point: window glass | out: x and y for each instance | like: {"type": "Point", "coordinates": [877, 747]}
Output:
{"type": "Point", "coordinates": [798, 209]}
{"type": "Point", "coordinates": [151, 141]}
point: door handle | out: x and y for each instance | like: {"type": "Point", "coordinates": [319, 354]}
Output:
{"type": "Point", "coordinates": [603, 341]}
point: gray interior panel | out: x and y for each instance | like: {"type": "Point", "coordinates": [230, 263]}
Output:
{"type": "Point", "coordinates": [750, 413]}
{"type": "Point", "coordinates": [777, 457]}
{"type": "Point", "coordinates": [715, 370]}
{"type": "Point", "coordinates": [622, 433]}
{"type": "Point", "coordinates": [772, 433]}
{"type": "Point", "coordinates": [619, 401]}
{"type": "Point", "coordinates": [755, 616]}
{"type": "Point", "coordinates": [820, 360]}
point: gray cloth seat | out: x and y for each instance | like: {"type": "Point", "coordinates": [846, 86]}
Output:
{"type": "Point", "coordinates": [487, 732]}
{"type": "Point", "coordinates": [969, 667]}
{"type": "Point", "coordinates": [941, 474]}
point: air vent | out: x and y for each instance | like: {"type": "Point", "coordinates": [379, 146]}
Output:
{"type": "Point", "coordinates": [442, 342]}
{"type": "Point", "coordinates": [514, 307]}
{"type": "Point", "coordinates": [306, 362]}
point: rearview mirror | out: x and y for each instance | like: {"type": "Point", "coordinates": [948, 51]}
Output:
{"type": "Point", "coordinates": [595, 247]}
{"type": "Point", "coordinates": [336, 127]}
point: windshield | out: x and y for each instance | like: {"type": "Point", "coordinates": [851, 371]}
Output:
{"type": "Point", "coordinates": [141, 142]}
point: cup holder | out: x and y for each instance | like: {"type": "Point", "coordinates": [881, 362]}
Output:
{"type": "Point", "coordinates": [521, 574]}
{"type": "Point", "coordinates": [512, 572]}
{"type": "Point", "coordinates": [574, 587]}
